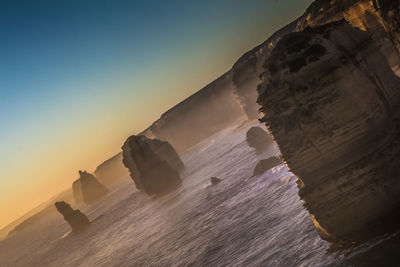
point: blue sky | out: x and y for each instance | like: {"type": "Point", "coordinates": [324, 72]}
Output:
{"type": "Point", "coordinates": [78, 77]}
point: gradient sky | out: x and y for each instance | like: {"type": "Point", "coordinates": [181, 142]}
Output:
{"type": "Point", "coordinates": [78, 77]}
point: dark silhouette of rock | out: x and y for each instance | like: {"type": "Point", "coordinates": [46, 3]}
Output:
{"type": "Point", "coordinates": [75, 218]}
{"type": "Point", "coordinates": [215, 180]}
{"type": "Point", "coordinates": [266, 164]}
{"type": "Point", "coordinates": [258, 138]}
{"type": "Point", "coordinates": [149, 168]}
{"type": "Point", "coordinates": [166, 152]}
{"type": "Point", "coordinates": [88, 189]}
{"type": "Point", "coordinates": [330, 99]}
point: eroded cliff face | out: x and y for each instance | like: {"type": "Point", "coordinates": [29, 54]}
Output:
{"type": "Point", "coordinates": [330, 99]}
{"type": "Point", "coordinates": [88, 189]}
{"type": "Point", "coordinates": [151, 166]}
{"type": "Point", "coordinates": [379, 18]}
{"type": "Point", "coordinates": [206, 112]}
{"type": "Point", "coordinates": [111, 170]}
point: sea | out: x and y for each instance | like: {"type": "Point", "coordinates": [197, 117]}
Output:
{"type": "Point", "coordinates": [241, 221]}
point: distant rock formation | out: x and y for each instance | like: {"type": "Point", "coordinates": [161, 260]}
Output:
{"type": "Point", "coordinates": [75, 218]}
{"type": "Point", "coordinates": [151, 166]}
{"type": "Point", "coordinates": [215, 180]}
{"type": "Point", "coordinates": [88, 189]}
{"type": "Point", "coordinates": [111, 170]}
{"type": "Point", "coordinates": [330, 99]}
{"type": "Point", "coordinates": [266, 164]}
{"type": "Point", "coordinates": [258, 138]}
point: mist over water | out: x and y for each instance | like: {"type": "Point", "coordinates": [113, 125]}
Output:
{"type": "Point", "coordinates": [238, 222]}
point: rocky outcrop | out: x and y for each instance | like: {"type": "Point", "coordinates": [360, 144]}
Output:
{"type": "Point", "coordinates": [379, 17]}
{"type": "Point", "coordinates": [88, 188]}
{"type": "Point", "coordinates": [199, 116]}
{"type": "Point", "coordinates": [75, 218]}
{"type": "Point", "coordinates": [215, 180]}
{"type": "Point", "coordinates": [150, 166]}
{"type": "Point", "coordinates": [111, 170]}
{"type": "Point", "coordinates": [266, 164]}
{"type": "Point", "coordinates": [258, 138]}
{"type": "Point", "coordinates": [330, 99]}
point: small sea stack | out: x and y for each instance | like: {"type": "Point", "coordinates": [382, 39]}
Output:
{"type": "Point", "coordinates": [75, 218]}
{"type": "Point", "coordinates": [88, 188]}
{"type": "Point", "coordinates": [151, 166]}
{"type": "Point", "coordinates": [266, 164]}
{"type": "Point", "coordinates": [215, 180]}
{"type": "Point", "coordinates": [257, 138]}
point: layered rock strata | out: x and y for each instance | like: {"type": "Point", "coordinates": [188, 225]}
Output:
{"type": "Point", "coordinates": [151, 166]}
{"type": "Point", "coordinates": [258, 138]}
{"type": "Point", "coordinates": [381, 18]}
{"type": "Point", "coordinates": [75, 218]}
{"type": "Point", "coordinates": [330, 99]}
{"type": "Point", "coordinates": [88, 188]}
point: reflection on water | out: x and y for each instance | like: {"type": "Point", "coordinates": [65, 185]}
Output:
{"type": "Point", "coordinates": [237, 222]}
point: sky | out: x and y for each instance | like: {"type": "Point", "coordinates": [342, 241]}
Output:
{"type": "Point", "coordinates": [77, 77]}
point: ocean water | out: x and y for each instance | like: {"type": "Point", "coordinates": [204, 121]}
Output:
{"type": "Point", "coordinates": [241, 221]}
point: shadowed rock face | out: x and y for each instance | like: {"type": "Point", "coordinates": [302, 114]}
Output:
{"type": "Point", "coordinates": [330, 100]}
{"type": "Point", "coordinates": [75, 218]}
{"type": "Point", "coordinates": [88, 189]}
{"type": "Point", "coordinates": [258, 138]}
{"type": "Point", "coordinates": [150, 166]}
{"type": "Point", "coordinates": [381, 18]}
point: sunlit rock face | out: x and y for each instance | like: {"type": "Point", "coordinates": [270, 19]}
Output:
{"type": "Point", "coordinates": [150, 165]}
{"type": "Point", "coordinates": [88, 188]}
{"type": "Point", "coordinates": [75, 218]}
{"type": "Point", "coordinates": [379, 17]}
{"type": "Point", "coordinates": [258, 138]}
{"type": "Point", "coordinates": [330, 99]}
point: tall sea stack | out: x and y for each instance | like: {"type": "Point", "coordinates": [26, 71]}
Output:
{"type": "Point", "coordinates": [331, 102]}
{"type": "Point", "coordinates": [153, 164]}
{"type": "Point", "coordinates": [88, 188]}
{"type": "Point", "coordinates": [75, 218]}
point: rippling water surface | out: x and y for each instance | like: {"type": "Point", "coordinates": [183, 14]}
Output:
{"type": "Point", "coordinates": [238, 222]}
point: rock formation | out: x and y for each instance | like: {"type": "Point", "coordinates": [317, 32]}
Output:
{"type": "Point", "coordinates": [266, 164]}
{"type": "Point", "coordinates": [381, 18]}
{"type": "Point", "coordinates": [151, 167]}
{"type": "Point", "coordinates": [88, 189]}
{"type": "Point", "coordinates": [215, 180]}
{"type": "Point", "coordinates": [258, 138]}
{"type": "Point", "coordinates": [75, 218]}
{"type": "Point", "coordinates": [330, 99]}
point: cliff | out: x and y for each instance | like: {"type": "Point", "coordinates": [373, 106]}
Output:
{"type": "Point", "coordinates": [111, 170]}
{"type": "Point", "coordinates": [87, 189]}
{"type": "Point", "coordinates": [330, 99]}
{"type": "Point", "coordinates": [379, 18]}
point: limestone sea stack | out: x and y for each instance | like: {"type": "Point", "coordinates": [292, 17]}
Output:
{"type": "Point", "coordinates": [75, 218]}
{"type": "Point", "coordinates": [151, 165]}
{"type": "Point", "coordinates": [330, 99]}
{"type": "Point", "coordinates": [258, 138]}
{"type": "Point", "coordinates": [88, 188]}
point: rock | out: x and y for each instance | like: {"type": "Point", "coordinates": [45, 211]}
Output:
{"type": "Point", "coordinates": [330, 98]}
{"type": "Point", "coordinates": [88, 189]}
{"type": "Point", "coordinates": [149, 167]}
{"type": "Point", "coordinates": [258, 138]}
{"type": "Point", "coordinates": [266, 164]}
{"type": "Point", "coordinates": [166, 152]}
{"type": "Point", "coordinates": [215, 180]}
{"type": "Point", "coordinates": [75, 218]}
